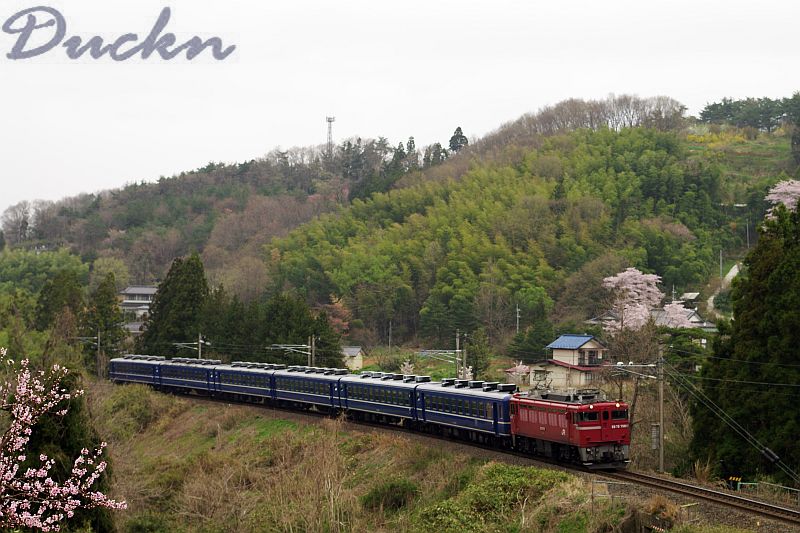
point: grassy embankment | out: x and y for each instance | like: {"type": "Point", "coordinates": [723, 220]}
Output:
{"type": "Point", "coordinates": [195, 466]}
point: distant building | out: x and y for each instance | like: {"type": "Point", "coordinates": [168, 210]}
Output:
{"type": "Point", "coordinates": [135, 304]}
{"type": "Point", "coordinates": [574, 363]}
{"type": "Point", "coordinates": [689, 299]}
{"type": "Point", "coordinates": [659, 317]}
{"type": "Point", "coordinates": [353, 357]}
{"type": "Point", "coordinates": [136, 300]}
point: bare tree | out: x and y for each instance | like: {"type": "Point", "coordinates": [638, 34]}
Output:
{"type": "Point", "coordinates": [16, 222]}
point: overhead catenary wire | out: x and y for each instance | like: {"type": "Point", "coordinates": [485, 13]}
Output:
{"type": "Point", "coordinates": [732, 360]}
{"type": "Point", "coordinates": [730, 421]}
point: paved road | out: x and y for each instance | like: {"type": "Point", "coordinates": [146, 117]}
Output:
{"type": "Point", "coordinates": [726, 281]}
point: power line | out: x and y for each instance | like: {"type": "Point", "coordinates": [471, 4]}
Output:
{"type": "Point", "coordinates": [732, 423]}
{"type": "Point", "coordinates": [732, 359]}
{"type": "Point", "coordinates": [739, 381]}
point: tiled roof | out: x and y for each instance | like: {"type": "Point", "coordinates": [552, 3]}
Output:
{"type": "Point", "coordinates": [139, 289]}
{"type": "Point", "coordinates": [567, 365]}
{"type": "Point", "coordinates": [351, 351]}
{"type": "Point", "coordinates": [570, 341]}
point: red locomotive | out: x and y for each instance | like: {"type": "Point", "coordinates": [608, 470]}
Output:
{"type": "Point", "coordinates": [576, 426]}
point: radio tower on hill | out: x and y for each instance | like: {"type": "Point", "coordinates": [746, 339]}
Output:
{"type": "Point", "coordinates": [330, 120]}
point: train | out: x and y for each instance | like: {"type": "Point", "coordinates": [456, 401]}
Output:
{"type": "Point", "coordinates": [577, 426]}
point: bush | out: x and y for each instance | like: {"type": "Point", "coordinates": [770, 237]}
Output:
{"type": "Point", "coordinates": [391, 495]}
{"type": "Point", "coordinates": [130, 409]}
{"type": "Point", "coordinates": [489, 502]}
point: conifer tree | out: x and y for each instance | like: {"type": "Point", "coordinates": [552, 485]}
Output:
{"type": "Point", "coordinates": [458, 140]}
{"type": "Point", "coordinates": [756, 366]}
{"type": "Point", "coordinates": [175, 314]}
{"type": "Point", "coordinates": [477, 347]}
{"type": "Point", "coordinates": [104, 318]}
{"type": "Point", "coordinates": [328, 346]}
{"type": "Point", "coordinates": [63, 290]}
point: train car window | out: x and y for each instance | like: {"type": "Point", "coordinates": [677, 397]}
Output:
{"type": "Point", "coordinates": [588, 417]}
{"type": "Point", "coordinates": [605, 415]}
{"type": "Point", "coordinates": [619, 415]}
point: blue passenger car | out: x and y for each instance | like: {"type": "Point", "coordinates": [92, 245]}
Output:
{"type": "Point", "coordinates": [188, 375]}
{"type": "Point", "coordinates": [472, 406]}
{"type": "Point", "coordinates": [307, 385]}
{"type": "Point", "coordinates": [135, 369]}
{"type": "Point", "coordinates": [378, 393]}
{"type": "Point", "coordinates": [245, 379]}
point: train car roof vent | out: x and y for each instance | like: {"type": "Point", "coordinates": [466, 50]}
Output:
{"type": "Point", "coordinates": [461, 383]}
{"type": "Point", "coordinates": [447, 382]}
{"type": "Point", "coordinates": [365, 375]}
{"type": "Point", "coordinates": [279, 367]}
{"type": "Point", "coordinates": [475, 384]}
{"type": "Point", "coordinates": [387, 376]}
{"type": "Point", "coordinates": [490, 386]}
{"type": "Point", "coordinates": [377, 375]}
{"type": "Point", "coordinates": [422, 379]}
{"type": "Point", "coordinates": [409, 378]}
{"type": "Point", "coordinates": [340, 372]}
{"type": "Point", "coordinates": [397, 377]}
{"type": "Point", "coordinates": [506, 387]}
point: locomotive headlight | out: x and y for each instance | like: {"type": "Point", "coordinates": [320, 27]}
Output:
{"type": "Point", "coordinates": [591, 407]}
{"type": "Point", "coordinates": [617, 404]}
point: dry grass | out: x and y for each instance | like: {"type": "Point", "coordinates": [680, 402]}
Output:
{"type": "Point", "coordinates": [663, 508]}
{"type": "Point", "coordinates": [211, 467]}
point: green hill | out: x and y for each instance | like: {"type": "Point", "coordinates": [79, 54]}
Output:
{"type": "Point", "coordinates": [536, 226]}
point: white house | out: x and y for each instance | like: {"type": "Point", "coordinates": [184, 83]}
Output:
{"type": "Point", "coordinates": [353, 357]}
{"type": "Point", "coordinates": [136, 299]}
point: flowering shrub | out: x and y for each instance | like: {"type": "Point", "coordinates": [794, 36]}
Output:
{"type": "Point", "coordinates": [29, 497]}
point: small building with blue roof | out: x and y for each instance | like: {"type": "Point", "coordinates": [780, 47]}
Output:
{"type": "Point", "coordinates": [575, 361]}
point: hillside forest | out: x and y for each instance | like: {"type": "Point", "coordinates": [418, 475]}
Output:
{"type": "Point", "coordinates": [507, 238]}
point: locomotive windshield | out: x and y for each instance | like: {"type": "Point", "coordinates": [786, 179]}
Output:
{"type": "Point", "coordinates": [588, 417]}
{"type": "Point", "coordinates": [622, 414]}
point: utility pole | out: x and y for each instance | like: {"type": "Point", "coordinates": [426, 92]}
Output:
{"type": "Point", "coordinates": [660, 409]}
{"type": "Point", "coordinates": [464, 357]}
{"type": "Point", "coordinates": [748, 232]}
{"type": "Point", "coordinates": [199, 345]}
{"type": "Point", "coordinates": [99, 369]}
{"type": "Point", "coordinates": [313, 350]}
{"type": "Point", "coordinates": [309, 351]}
{"type": "Point", "coordinates": [517, 319]}
{"type": "Point", "coordinates": [457, 351]}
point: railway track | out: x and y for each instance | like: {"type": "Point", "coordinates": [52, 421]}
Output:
{"type": "Point", "coordinates": [786, 515]}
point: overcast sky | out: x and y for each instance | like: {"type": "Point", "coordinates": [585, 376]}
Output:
{"type": "Point", "coordinates": [395, 69]}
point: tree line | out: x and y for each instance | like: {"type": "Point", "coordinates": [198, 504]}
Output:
{"type": "Point", "coordinates": [187, 311]}
{"type": "Point", "coordinates": [763, 114]}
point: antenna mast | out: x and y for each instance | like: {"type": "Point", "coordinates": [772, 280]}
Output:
{"type": "Point", "coordinates": [330, 120]}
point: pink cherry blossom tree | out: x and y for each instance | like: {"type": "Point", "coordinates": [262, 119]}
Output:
{"type": "Point", "coordinates": [785, 192]}
{"type": "Point", "coordinates": [677, 316]}
{"type": "Point", "coordinates": [633, 295]}
{"type": "Point", "coordinates": [29, 497]}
